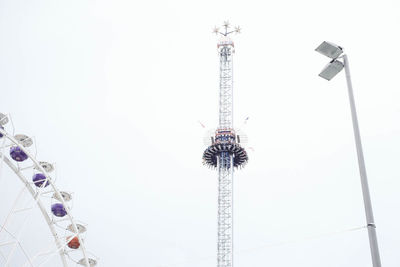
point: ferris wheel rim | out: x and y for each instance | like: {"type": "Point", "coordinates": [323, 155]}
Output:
{"type": "Point", "coordinates": [39, 202]}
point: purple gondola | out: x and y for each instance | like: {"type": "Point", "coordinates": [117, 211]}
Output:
{"type": "Point", "coordinates": [39, 179]}
{"type": "Point", "coordinates": [58, 210]}
{"type": "Point", "coordinates": [18, 154]}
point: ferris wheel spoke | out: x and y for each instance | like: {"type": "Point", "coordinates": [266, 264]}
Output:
{"type": "Point", "coordinates": [49, 251]}
{"type": "Point", "coordinates": [11, 212]}
{"type": "Point", "coordinates": [52, 253]}
{"type": "Point", "coordinates": [23, 209]}
{"type": "Point", "coordinates": [7, 243]}
{"type": "Point", "coordinates": [2, 255]}
{"type": "Point", "coordinates": [17, 241]}
{"type": "Point", "coordinates": [26, 254]}
{"type": "Point", "coordinates": [27, 168]}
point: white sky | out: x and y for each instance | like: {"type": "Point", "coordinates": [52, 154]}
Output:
{"type": "Point", "coordinates": [113, 90]}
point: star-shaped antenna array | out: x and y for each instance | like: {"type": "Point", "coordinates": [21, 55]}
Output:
{"type": "Point", "coordinates": [227, 29]}
{"type": "Point", "coordinates": [238, 29]}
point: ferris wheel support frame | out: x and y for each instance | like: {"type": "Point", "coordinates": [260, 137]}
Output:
{"type": "Point", "coordinates": [36, 197]}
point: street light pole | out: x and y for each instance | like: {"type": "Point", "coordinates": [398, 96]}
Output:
{"type": "Point", "coordinates": [373, 242]}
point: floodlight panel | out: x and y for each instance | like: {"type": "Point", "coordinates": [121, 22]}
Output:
{"type": "Point", "coordinates": [329, 49]}
{"type": "Point", "coordinates": [330, 70]}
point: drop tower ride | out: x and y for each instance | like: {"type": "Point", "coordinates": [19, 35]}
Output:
{"type": "Point", "coordinates": [225, 152]}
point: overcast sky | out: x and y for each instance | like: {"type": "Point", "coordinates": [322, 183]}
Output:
{"type": "Point", "coordinates": [113, 92]}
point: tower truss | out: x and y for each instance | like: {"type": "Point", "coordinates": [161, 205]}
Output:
{"type": "Point", "coordinates": [225, 153]}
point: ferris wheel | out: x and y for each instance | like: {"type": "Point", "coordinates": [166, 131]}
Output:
{"type": "Point", "coordinates": [28, 191]}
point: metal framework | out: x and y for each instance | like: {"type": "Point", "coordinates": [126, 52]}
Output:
{"type": "Point", "coordinates": [226, 86]}
{"type": "Point", "coordinates": [225, 152]}
{"type": "Point", "coordinates": [63, 229]}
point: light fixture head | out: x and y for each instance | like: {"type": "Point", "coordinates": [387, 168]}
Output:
{"type": "Point", "coordinates": [330, 70]}
{"type": "Point", "coordinates": [329, 49]}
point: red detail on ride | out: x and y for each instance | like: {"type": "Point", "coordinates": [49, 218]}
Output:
{"type": "Point", "coordinates": [74, 243]}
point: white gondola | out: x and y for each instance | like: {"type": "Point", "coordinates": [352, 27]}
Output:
{"type": "Point", "coordinates": [92, 262]}
{"type": "Point", "coordinates": [64, 195]}
{"type": "Point", "coordinates": [45, 165]}
{"type": "Point", "coordinates": [81, 228]}
{"type": "Point", "coordinates": [3, 119]}
{"type": "Point", "coordinates": [24, 140]}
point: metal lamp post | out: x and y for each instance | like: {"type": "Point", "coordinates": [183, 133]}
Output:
{"type": "Point", "coordinates": [334, 67]}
